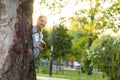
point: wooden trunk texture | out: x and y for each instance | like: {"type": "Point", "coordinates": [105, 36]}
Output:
{"type": "Point", "coordinates": [16, 52]}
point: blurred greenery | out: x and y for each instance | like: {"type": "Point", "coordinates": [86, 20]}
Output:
{"type": "Point", "coordinates": [73, 75]}
{"type": "Point", "coordinates": [92, 39]}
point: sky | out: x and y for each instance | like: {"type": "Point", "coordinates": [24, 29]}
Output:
{"type": "Point", "coordinates": [67, 11]}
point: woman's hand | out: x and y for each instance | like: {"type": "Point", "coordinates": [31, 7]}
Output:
{"type": "Point", "coordinates": [41, 45]}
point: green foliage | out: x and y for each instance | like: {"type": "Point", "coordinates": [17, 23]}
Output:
{"type": "Point", "coordinates": [109, 18]}
{"type": "Point", "coordinates": [79, 48]}
{"type": "Point", "coordinates": [62, 41]}
{"type": "Point", "coordinates": [106, 56]}
{"type": "Point", "coordinates": [43, 67]}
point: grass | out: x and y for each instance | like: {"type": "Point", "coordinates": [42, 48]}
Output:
{"type": "Point", "coordinates": [72, 75]}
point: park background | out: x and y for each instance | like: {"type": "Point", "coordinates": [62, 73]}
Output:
{"type": "Point", "coordinates": [84, 35]}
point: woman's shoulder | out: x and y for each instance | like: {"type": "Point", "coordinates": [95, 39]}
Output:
{"type": "Point", "coordinates": [34, 29]}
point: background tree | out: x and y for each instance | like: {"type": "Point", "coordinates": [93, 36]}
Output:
{"type": "Point", "coordinates": [62, 43]}
{"type": "Point", "coordinates": [109, 21]}
{"type": "Point", "coordinates": [84, 31]}
{"type": "Point", "coordinates": [106, 56]}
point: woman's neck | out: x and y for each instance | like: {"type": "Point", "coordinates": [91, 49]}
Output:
{"type": "Point", "coordinates": [38, 29]}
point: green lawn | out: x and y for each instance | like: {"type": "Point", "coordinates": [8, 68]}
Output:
{"type": "Point", "coordinates": [72, 75]}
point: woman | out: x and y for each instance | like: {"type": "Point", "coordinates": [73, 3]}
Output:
{"type": "Point", "coordinates": [38, 43]}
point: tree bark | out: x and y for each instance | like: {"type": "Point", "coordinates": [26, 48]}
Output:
{"type": "Point", "coordinates": [16, 51]}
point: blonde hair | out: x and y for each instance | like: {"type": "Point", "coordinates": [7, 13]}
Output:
{"type": "Point", "coordinates": [39, 18]}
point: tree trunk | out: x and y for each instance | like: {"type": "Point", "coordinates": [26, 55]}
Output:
{"type": "Point", "coordinates": [16, 55]}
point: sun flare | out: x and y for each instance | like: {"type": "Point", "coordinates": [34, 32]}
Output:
{"type": "Point", "coordinates": [67, 11]}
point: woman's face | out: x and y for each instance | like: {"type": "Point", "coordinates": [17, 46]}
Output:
{"type": "Point", "coordinates": [43, 22]}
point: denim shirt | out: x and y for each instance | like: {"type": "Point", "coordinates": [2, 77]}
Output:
{"type": "Point", "coordinates": [36, 37]}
